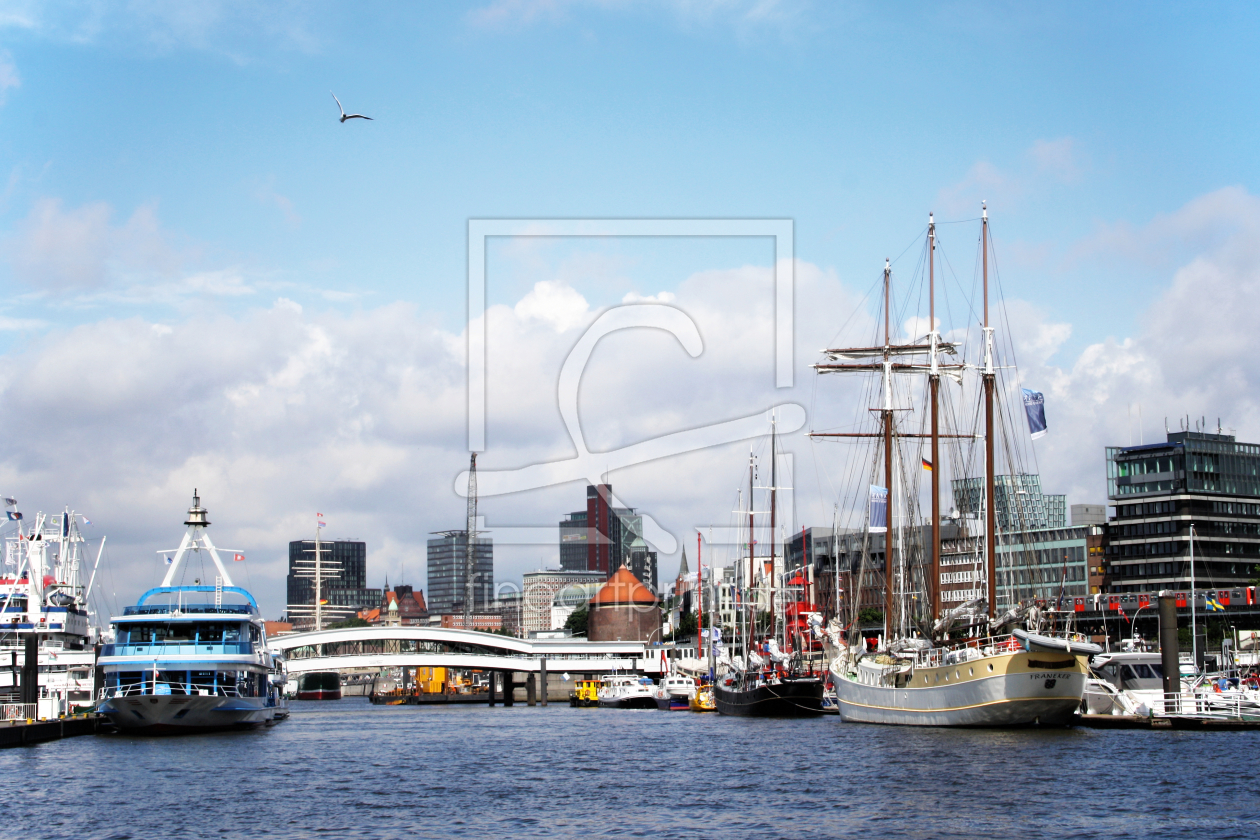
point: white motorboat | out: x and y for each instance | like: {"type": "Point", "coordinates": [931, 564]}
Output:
{"type": "Point", "coordinates": [626, 691]}
{"type": "Point", "coordinates": [674, 693]}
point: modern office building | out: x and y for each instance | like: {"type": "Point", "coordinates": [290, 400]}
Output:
{"type": "Point", "coordinates": [538, 593]}
{"type": "Point", "coordinates": [1020, 504]}
{"type": "Point", "coordinates": [343, 569]}
{"type": "Point", "coordinates": [1159, 490]}
{"type": "Point", "coordinates": [602, 538]}
{"type": "Point", "coordinates": [447, 555]}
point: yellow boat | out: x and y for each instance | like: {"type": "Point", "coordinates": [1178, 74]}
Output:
{"type": "Point", "coordinates": [585, 693]}
{"type": "Point", "coordinates": [702, 700]}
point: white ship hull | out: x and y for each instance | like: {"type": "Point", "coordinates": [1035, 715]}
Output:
{"type": "Point", "coordinates": [181, 713]}
{"type": "Point", "coordinates": [1007, 690]}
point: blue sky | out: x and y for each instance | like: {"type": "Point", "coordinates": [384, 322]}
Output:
{"type": "Point", "coordinates": [165, 165]}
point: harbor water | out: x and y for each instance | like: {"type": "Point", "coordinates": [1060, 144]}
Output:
{"type": "Point", "coordinates": [349, 769]}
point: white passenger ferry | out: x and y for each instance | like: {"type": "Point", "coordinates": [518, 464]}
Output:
{"type": "Point", "coordinates": [186, 659]}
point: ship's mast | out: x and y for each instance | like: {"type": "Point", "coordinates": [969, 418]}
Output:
{"type": "Point", "coordinates": [699, 601]}
{"type": "Point", "coordinates": [934, 384]}
{"type": "Point", "coordinates": [774, 618]}
{"type": "Point", "coordinates": [990, 507]}
{"type": "Point", "coordinates": [749, 627]}
{"type": "Point", "coordinates": [888, 460]}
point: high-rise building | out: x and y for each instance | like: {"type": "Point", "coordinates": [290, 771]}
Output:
{"type": "Point", "coordinates": [1159, 490]}
{"type": "Point", "coordinates": [1020, 504]}
{"type": "Point", "coordinates": [447, 556]}
{"type": "Point", "coordinates": [603, 538]}
{"type": "Point", "coordinates": [539, 591]}
{"type": "Point", "coordinates": [343, 566]}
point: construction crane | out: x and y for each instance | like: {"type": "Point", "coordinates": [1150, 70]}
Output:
{"type": "Point", "coordinates": [470, 542]}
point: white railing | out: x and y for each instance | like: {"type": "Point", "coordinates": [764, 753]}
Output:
{"type": "Point", "coordinates": [1231, 705]}
{"type": "Point", "coordinates": [17, 711]}
{"type": "Point", "coordinates": [146, 689]}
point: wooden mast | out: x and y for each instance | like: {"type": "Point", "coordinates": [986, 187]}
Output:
{"type": "Point", "coordinates": [774, 618]}
{"type": "Point", "coordinates": [888, 422]}
{"type": "Point", "coordinates": [748, 626]}
{"type": "Point", "coordinates": [990, 503]}
{"type": "Point", "coordinates": [699, 602]}
{"type": "Point", "coordinates": [934, 384]}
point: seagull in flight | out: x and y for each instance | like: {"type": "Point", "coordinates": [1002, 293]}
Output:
{"type": "Point", "coordinates": [344, 115]}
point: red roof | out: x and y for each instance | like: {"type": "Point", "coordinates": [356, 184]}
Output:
{"type": "Point", "coordinates": [623, 588]}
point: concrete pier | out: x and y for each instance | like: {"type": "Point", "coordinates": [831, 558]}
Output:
{"type": "Point", "coordinates": [21, 733]}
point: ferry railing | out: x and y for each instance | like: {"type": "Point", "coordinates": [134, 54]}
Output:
{"type": "Point", "coordinates": [17, 711]}
{"type": "Point", "coordinates": [176, 648]}
{"type": "Point", "coordinates": [177, 689]}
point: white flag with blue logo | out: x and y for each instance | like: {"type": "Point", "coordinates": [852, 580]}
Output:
{"type": "Point", "coordinates": [879, 510]}
{"type": "Point", "coordinates": [1035, 409]}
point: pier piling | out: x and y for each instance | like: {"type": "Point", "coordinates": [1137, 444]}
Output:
{"type": "Point", "coordinates": [543, 680]}
{"type": "Point", "coordinates": [531, 690]}
{"type": "Point", "coordinates": [509, 688]}
{"type": "Point", "coordinates": [1168, 650]}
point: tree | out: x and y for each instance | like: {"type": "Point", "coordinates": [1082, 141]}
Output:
{"type": "Point", "coordinates": [870, 615]}
{"type": "Point", "coordinates": [349, 622]}
{"type": "Point", "coordinates": [577, 620]}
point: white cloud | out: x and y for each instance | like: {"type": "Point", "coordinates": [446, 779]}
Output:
{"type": "Point", "coordinates": [1046, 162]}
{"type": "Point", "coordinates": [1059, 158]}
{"type": "Point", "coordinates": [231, 28]}
{"type": "Point", "coordinates": [8, 74]}
{"type": "Point", "coordinates": [1193, 354]}
{"type": "Point", "coordinates": [554, 303]}
{"type": "Point", "coordinates": [661, 297]}
{"type": "Point", "coordinates": [56, 249]}
{"type": "Point", "coordinates": [360, 414]}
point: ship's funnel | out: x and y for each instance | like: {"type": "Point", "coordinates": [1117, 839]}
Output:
{"type": "Point", "coordinates": [196, 513]}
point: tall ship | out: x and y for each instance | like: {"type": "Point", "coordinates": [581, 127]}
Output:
{"type": "Point", "coordinates": [192, 657]}
{"type": "Point", "coordinates": [970, 665]}
{"type": "Point", "coordinates": [770, 679]}
{"type": "Point", "coordinates": [47, 652]}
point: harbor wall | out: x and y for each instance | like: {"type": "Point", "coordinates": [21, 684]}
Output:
{"type": "Point", "coordinates": [20, 733]}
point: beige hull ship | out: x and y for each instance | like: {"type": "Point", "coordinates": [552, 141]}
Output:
{"type": "Point", "coordinates": [998, 683]}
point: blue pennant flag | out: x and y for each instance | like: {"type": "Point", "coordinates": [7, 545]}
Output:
{"type": "Point", "coordinates": [1035, 408]}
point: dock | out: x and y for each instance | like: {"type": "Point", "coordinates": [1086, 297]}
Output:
{"type": "Point", "coordinates": [1168, 722]}
{"type": "Point", "coordinates": [19, 733]}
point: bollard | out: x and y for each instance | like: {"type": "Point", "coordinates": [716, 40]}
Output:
{"type": "Point", "coordinates": [531, 690]}
{"type": "Point", "coordinates": [1168, 651]}
{"type": "Point", "coordinates": [543, 680]}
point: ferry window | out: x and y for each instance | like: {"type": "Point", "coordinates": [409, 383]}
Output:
{"type": "Point", "coordinates": [211, 633]}
{"type": "Point", "coordinates": [179, 632]}
{"type": "Point", "coordinates": [232, 633]}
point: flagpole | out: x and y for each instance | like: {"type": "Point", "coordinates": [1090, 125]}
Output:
{"type": "Point", "coordinates": [1194, 633]}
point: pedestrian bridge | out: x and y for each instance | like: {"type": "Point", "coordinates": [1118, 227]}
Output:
{"type": "Point", "coordinates": [424, 647]}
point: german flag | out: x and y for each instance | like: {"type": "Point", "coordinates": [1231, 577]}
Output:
{"type": "Point", "coordinates": [927, 465]}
